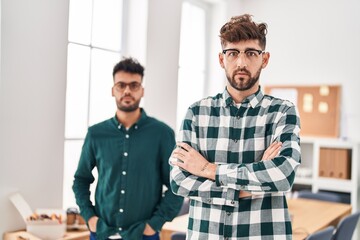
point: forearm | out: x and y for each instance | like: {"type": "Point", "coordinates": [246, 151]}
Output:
{"type": "Point", "coordinates": [167, 210]}
{"type": "Point", "coordinates": [208, 171]}
{"type": "Point", "coordinates": [83, 178]}
{"type": "Point", "coordinates": [274, 173]}
{"type": "Point", "coordinates": [82, 196]}
{"type": "Point", "coordinates": [170, 204]}
{"type": "Point", "coordinates": [81, 189]}
{"type": "Point", "coordinates": [201, 188]}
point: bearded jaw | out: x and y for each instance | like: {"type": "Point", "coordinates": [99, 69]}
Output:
{"type": "Point", "coordinates": [241, 84]}
{"type": "Point", "coordinates": [128, 107]}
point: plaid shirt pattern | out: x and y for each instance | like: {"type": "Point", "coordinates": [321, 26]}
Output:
{"type": "Point", "coordinates": [235, 137]}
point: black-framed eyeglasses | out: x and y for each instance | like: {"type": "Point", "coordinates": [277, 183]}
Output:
{"type": "Point", "coordinates": [133, 86]}
{"type": "Point", "coordinates": [251, 54]}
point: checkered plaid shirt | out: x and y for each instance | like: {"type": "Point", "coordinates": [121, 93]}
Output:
{"type": "Point", "coordinates": [235, 138]}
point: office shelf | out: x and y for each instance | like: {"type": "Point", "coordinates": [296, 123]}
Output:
{"type": "Point", "coordinates": [304, 181]}
{"type": "Point", "coordinates": [309, 175]}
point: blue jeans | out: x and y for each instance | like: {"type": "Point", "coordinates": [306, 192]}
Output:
{"type": "Point", "coordinates": [152, 237]}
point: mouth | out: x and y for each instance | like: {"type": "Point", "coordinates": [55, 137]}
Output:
{"type": "Point", "coordinates": [241, 76]}
{"type": "Point", "coordinates": [127, 99]}
{"type": "Point", "coordinates": [241, 73]}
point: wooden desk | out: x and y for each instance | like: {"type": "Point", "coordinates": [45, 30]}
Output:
{"type": "Point", "coordinates": [308, 216]}
{"type": "Point", "coordinates": [179, 224]}
{"type": "Point", "coordinates": [69, 235]}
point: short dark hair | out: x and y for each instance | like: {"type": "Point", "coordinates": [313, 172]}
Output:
{"type": "Point", "coordinates": [242, 28]}
{"type": "Point", "coordinates": [129, 65]}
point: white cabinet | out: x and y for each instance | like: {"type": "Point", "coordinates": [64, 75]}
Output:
{"type": "Point", "coordinates": [312, 159]}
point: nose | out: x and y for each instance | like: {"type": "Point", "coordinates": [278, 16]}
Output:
{"type": "Point", "coordinates": [127, 90]}
{"type": "Point", "coordinates": [241, 61]}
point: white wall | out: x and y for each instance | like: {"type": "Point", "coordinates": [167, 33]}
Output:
{"type": "Point", "coordinates": [162, 59]}
{"type": "Point", "coordinates": [135, 29]}
{"type": "Point", "coordinates": [216, 77]}
{"type": "Point", "coordinates": [0, 44]}
{"type": "Point", "coordinates": [312, 42]}
{"type": "Point", "coordinates": [32, 103]}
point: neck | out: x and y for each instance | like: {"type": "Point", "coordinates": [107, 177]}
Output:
{"type": "Point", "coordinates": [238, 96]}
{"type": "Point", "coordinates": [128, 118]}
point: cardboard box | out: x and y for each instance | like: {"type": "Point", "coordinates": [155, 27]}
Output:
{"type": "Point", "coordinates": [44, 228]}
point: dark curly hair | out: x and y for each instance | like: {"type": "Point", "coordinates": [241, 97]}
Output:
{"type": "Point", "coordinates": [129, 65]}
{"type": "Point", "coordinates": [241, 28]}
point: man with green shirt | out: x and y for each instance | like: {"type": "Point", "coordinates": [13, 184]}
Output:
{"type": "Point", "coordinates": [130, 152]}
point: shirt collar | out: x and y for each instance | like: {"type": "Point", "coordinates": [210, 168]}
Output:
{"type": "Point", "coordinates": [253, 99]}
{"type": "Point", "coordinates": [140, 122]}
{"type": "Point", "coordinates": [143, 117]}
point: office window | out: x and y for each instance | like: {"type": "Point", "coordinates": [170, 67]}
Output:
{"type": "Point", "coordinates": [192, 56]}
{"type": "Point", "coordinates": [95, 32]}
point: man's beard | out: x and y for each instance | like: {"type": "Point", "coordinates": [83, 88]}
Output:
{"type": "Point", "coordinates": [128, 108]}
{"type": "Point", "coordinates": [243, 85]}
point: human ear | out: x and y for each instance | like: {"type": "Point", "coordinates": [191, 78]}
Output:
{"type": "Point", "coordinates": [265, 61]}
{"type": "Point", "coordinates": [221, 60]}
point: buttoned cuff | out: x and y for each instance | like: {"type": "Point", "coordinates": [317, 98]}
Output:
{"type": "Point", "coordinates": [230, 199]}
{"type": "Point", "coordinates": [221, 177]}
{"type": "Point", "coordinates": [87, 214]}
{"type": "Point", "coordinates": [156, 223]}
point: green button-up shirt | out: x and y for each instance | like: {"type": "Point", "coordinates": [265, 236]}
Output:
{"type": "Point", "coordinates": [132, 168]}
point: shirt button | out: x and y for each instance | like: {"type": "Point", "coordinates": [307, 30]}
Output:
{"type": "Point", "coordinates": [120, 229]}
{"type": "Point", "coordinates": [119, 126]}
{"type": "Point", "coordinates": [238, 117]}
{"type": "Point", "coordinates": [125, 154]}
{"type": "Point", "coordinates": [123, 173]}
{"type": "Point", "coordinates": [121, 210]}
{"type": "Point", "coordinates": [136, 127]}
{"type": "Point", "coordinates": [127, 135]}
{"type": "Point", "coordinates": [228, 213]}
{"type": "Point", "coordinates": [122, 191]}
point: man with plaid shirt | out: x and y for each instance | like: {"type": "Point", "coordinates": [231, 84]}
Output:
{"type": "Point", "coordinates": [237, 189]}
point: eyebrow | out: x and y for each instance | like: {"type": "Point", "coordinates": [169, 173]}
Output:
{"type": "Point", "coordinates": [127, 83]}
{"type": "Point", "coordinates": [246, 49]}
